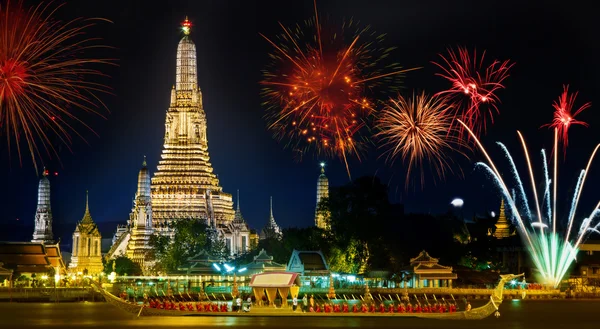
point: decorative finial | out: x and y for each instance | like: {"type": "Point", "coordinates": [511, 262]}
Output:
{"type": "Point", "coordinates": [186, 26]}
{"type": "Point", "coordinates": [271, 206]}
{"type": "Point", "coordinates": [45, 172]}
{"type": "Point", "coordinates": [238, 200]}
{"type": "Point", "coordinates": [322, 167]}
{"type": "Point", "coordinates": [144, 163]}
{"type": "Point", "coordinates": [87, 208]}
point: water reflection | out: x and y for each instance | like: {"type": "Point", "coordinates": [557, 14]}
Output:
{"type": "Point", "coordinates": [515, 315]}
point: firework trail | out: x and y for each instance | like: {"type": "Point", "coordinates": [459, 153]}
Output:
{"type": "Point", "coordinates": [473, 86]}
{"type": "Point", "coordinates": [419, 131]}
{"type": "Point", "coordinates": [552, 251]}
{"type": "Point", "coordinates": [316, 89]}
{"type": "Point", "coordinates": [564, 117]}
{"type": "Point", "coordinates": [43, 77]}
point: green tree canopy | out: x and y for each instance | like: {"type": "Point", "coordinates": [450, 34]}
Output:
{"type": "Point", "coordinates": [191, 237]}
{"type": "Point", "coordinates": [123, 265]}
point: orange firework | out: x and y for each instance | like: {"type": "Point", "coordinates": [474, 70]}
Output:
{"type": "Point", "coordinates": [316, 88]}
{"type": "Point", "coordinates": [564, 117]}
{"type": "Point", "coordinates": [43, 77]}
{"type": "Point", "coordinates": [419, 130]}
{"type": "Point", "coordinates": [473, 86]}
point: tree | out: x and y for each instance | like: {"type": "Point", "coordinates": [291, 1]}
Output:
{"type": "Point", "coordinates": [191, 237]}
{"type": "Point", "coordinates": [358, 212]}
{"type": "Point", "coordinates": [123, 265]}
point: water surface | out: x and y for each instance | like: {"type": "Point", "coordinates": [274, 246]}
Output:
{"type": "Point", "coordinates": [514, 315]}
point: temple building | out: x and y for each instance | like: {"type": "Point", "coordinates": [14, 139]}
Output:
{"type": "Point", "coordinates": [43, 214]}
{"type": "Point", "coordinates": [86, 256]}
{"type": "Point", "coordinates": [236, 233]}
{"type": "Point", "coordinates": [271, 229]}
{"type": "Point", "coordinates": [426, 272]}
{"type": "Point", "coordinates": [140, 220]}
{"type": "Point", "coordinates": [322, 216]}
{"type": "Point", "coordinates": [184, 186]}
{"type": "Point", "coordinates": [502, 229]}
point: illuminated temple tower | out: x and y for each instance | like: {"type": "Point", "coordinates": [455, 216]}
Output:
{"type": "Point", "coordinates": [43, 214]}
{"type": "Point", "coordinates": [87, 256]}
{"type": "Point", "coordinates": [140, 220]}
{"type": "Point", "coordinates": [321, 216]}
{"type": "Point", "coordinates": [184, 185]}
{"type": "Point", "coordinates": [502, 228]}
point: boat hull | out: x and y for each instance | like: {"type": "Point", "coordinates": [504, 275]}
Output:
{"type": "Point", "coordinates": [491, 307]}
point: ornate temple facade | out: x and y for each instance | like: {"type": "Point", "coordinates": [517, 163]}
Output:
{"type": "Point", "coordinates": [502, 229]}
{"type": "Point", "coordinates": [184, 186]}
{"type": "Point", "coordinates": [86, 256]}
{"type": "Point", "coordinates": [43, 213]}
{"type": "Point", "coordinates": [236, 233]}
{"type": "Point", "coordinates": [271, 229]}
{"type": "Point", "coordinates": [426, 272]}
{"type": "Point", "coordinates": [322, 216]}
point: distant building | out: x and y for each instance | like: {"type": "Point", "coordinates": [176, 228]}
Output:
{"type": "Point", "coordinates": [140, 222]}
{"type": "Point", "coordinates": [262, 263]}
{"type": "Point", "coordinates": [43, 214]}
{"type": "Point", "coordinates": [322, 217]}
{"type": "Point", "coordinates": [271, 229]}
{"type": "Point", "coordinates": [502, 229]}
{"type": "Point", "coordinates": [87, 255]}
{"type": "Point", "coordinates": [426, 272]}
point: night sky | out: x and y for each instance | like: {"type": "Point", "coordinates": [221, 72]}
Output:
{"type": "Point", "coordinates": [552, 44]}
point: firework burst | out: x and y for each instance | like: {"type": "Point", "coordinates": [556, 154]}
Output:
{"type": "Point", "coordinates": [564, 117]}
{"type": "Point", "coordinates": [316, 88]}
{"type": "Point", "coordinates": [419, 130]}
{"type": "Point", "coordinates": [43, 77]}
{"type": "Point", "coordinates": [473, 86]}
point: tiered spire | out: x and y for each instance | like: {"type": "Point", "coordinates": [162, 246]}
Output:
{"type": "Point", "coordinates": [184, 173]}
{"type": "Point", "coordinates": [238, 218]}
{"type": "Point", "coordinates": [503, 229]}
{"type": "Point", "coordinates": [43, 214]}
{"type": "Point", "coordinates": [87, 217]}
{"type": "Point", "coordinates": [321, 217]}
{"type": "Point", "coordinates": [271, 227]}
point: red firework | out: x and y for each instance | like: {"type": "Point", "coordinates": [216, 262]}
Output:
{"type": "Point", "coordinates": [564, 117]}
{"type": "Point", "coordinates": [317, 86]}
{"type": "Point", "coordinates": [42, 76]}
{"type": "Point", "coordinates": [474, 86]}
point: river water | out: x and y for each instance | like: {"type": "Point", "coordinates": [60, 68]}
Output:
{"type": "Point", "coordinates": [514, 315]}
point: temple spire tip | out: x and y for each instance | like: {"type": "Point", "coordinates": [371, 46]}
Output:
{"type": "Point", "coordinates": [87, 205]}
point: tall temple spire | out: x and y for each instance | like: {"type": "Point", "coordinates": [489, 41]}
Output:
{"type": "Point", "coordinates": [272, 208]}
{"type": "Point", "coordinates": [184, 173]}
{"type": "Point", "coordinates": [238, 200]}
{"type": "Point", "coordinates": [43, 214]}
{"type": "Point", "coordinates": [502, 227]}
{"type": "Point", "coordinates": [321, 217]}
{"type": "Point", "coordinates": [144, 162]}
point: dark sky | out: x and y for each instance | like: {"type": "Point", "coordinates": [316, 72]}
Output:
{"type": "Point", "coordinates": [552, 44]}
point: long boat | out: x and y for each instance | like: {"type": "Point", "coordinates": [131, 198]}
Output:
{"type": "Point", "coordinates": [478, 313]}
